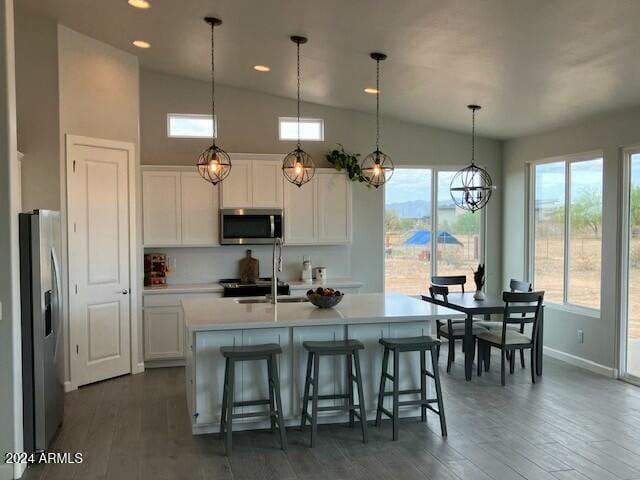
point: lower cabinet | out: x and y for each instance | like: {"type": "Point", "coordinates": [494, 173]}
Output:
{"type": "Point", "coordinates": [163, 333]}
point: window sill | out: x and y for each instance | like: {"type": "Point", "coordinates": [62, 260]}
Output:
{"type": "Point", "coordinates": [575, 309]}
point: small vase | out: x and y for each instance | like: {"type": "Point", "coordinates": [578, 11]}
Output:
{"type": "Point", "coordinates": [479, 295]}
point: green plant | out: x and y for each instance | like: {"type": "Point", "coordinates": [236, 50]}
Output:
{"type": "Point", "coordinates": [348, 162]}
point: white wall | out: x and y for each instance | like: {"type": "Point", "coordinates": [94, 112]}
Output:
{"type": "Point", "coordinates": [247, 122]}
{"type": "Point", "coordinates": [608, 133]}
{"type": "Point", "coordinates": [10, 362]}
{"type": "Point", "coordinates": [99, 97]}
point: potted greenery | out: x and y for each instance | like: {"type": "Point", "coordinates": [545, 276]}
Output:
{"type": "Point", "coordinates": [341, 160]}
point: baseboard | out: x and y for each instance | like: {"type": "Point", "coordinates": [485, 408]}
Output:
{"type": "Point", "coordinates": [19, 469]}
{"type": "Point", "coordinates": [138, 368]}
{"type": "Point", "coordinates": [164, 363]}
{"type": "Point", "coordinates": [69, 387]}
{"type": "Point", "coordinates": [581, 362]}
{"type": "Point", "coordinates": [9, 471]}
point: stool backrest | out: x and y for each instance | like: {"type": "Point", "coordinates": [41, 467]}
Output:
{"type": "Point", "coordinates": [523, 303]}
{"type": "Point", "coordinates": [449, 280]}
{"type": "Point", "coordinates": [439, 290]}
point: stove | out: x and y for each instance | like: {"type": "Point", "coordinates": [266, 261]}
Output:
{"type": "Point", "coordinates": [233, 287]}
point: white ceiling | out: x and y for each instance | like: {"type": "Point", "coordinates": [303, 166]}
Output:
{"type": "Point", "coordinates": [532, 64]}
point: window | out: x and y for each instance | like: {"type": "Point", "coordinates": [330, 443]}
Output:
{"type": "Point", "coordinates": [567, 221]}
{"type": "Point", "coordinates": [310, 128]}
{"type": "Point", "coordinates": [190, 126]}
{"type": "Point", "coordinates": [411, 257]}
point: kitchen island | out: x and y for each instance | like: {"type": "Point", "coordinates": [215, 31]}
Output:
{"type": "Point", "coordinates": [211, 323]}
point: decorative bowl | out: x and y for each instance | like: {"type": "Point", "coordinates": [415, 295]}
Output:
{"type": "Point", "coordinates": [324, 301]}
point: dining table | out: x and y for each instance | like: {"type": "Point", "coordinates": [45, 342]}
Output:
{"type": "Point", "coordinates": [490, 305]}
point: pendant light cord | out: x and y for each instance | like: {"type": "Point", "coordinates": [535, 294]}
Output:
{"type": "Point", "coordinates": [473, 135]}
{"type": "Point", "coordinates": [378, 104]}
{"type": "Point", "coordinates": [213, 89]}
{"type": "Point", "coordinates": [298, 76]}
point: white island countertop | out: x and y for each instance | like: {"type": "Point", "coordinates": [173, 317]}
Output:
{"type": "Point", "coordinates": [226, 313]}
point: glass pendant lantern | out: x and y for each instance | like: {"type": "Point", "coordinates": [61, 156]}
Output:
{"type": "Point", "coordinates": [471, 187]}
{"type": "Point", "coordinates": [214, 164]}
{"type": "Point", "coordinates": [298, 167]}
{"type": "Point", "coordinates": [377, 167]}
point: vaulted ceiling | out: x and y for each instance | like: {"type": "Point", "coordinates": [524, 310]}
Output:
{"type": "Point", "coordinates": [533, 64]}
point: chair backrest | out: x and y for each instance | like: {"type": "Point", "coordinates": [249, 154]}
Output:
{"type": "Point", "coordinates": [523, 303]}
{"type": "Point", "coordinates": [520, 286]}
{"type": "Point", "coordinates": [439, 290]}
{"type": "Point", "coordinates": [447, 281]}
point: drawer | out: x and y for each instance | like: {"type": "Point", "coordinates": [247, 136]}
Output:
{"type": "Point", "coordinates": [173, 299]}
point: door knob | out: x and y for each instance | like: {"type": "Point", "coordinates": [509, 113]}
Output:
{"type": "Point", "coordinates": [125, 291]}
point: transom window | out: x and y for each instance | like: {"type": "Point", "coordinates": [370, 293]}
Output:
{"type": "Point", "coordinates": [416, 201]}
{"type": "Point", "coordinates": [190, 125]}
{"type": "Point", "coordinates": [310, 128]}
{"type": "Point", "coordinates": [566, 225]}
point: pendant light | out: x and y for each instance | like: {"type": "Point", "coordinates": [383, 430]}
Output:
{"type": "Point", "coordinates": [298, 167]}
{"type": "Point", "coordinates": [471, 187]}
{"type": "Point", "coordinates": [377, 167]}
{"type": "Point", "coordinates": [214, 163]}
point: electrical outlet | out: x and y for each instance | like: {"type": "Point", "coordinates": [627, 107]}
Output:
{"type": "Point", "coordinates": [580, 336]}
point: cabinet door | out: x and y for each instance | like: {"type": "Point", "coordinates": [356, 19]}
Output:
{"type": "Point", "coordinates": [209, 374]}
{"type": "Point", "coordinates": [254, 374]}
{"type": "Point", "coordinates": [267, 182]}
{"type": "Point", "coordinates": [199, 210]}
{"type": "Point", "coordinates": [163, 333]}
{"type": "Point", "coordinates": [300, 213]}
{"type": "Point", "coordinates": [334, 208]}
{"type": "Point", "coordinates": [237, 187]}
{"type": "Point", "coordinates": [161, 208]}
{"type": "Point", "coordinates": [332, 368]}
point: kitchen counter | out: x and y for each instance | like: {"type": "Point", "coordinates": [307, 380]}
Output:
{"type": "Point", "coordinates": [227, 313]}
{"type": "Point", "coordinates": [212, 287]}
{"type": "Point", "coordinates": [335, 283]}
{"type": "Point", "coordinates": [214, 323]}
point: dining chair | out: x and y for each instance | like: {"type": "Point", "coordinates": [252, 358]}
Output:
{"type": "Point", "coordinates": [448, 281]}
{"type": "Point", "coordinates": [452, 330]}
{"type": "Point", "coordinates": [514, 286]}
{"type": "Point", "coordinates": [508, 340]}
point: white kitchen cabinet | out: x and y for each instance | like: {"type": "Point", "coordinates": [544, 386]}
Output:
{"type": "Point", "coordinates": [334, 207]}
{"type": "Point", "coordinates": [179, 208]}
{"type": "Point", "coordinates": [161, 207]}
{"type": "Point", "coordinates": [255, 181]}
{"type": "Point", "coordinates": [163, 333]}
{"type": "Point", "coordinates": [199, 208]}
{"type": "Point", "coordinates": [319, 212]}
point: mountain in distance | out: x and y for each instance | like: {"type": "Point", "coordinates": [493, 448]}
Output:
{"type": "Point", "coordinates": [411, 209]}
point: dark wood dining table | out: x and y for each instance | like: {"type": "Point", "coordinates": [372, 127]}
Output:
{"type": "Point", "coordinates": [464, 302]}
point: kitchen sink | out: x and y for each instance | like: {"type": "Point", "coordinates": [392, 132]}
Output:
{"type": "Point", "coordinates": [267, 300]}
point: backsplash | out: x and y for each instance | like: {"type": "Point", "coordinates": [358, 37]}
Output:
{"type": "Point", "coordinates": [204, 265]}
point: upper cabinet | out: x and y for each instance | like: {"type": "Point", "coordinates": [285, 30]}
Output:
{"type": "Point", "coordinates": [319, 212]}
{"type": "Point", "coordinates": [179, 208]}
{"type": "Point", "coordinates": [255, 181]}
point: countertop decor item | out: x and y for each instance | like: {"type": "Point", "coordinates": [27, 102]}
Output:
{"type": "Point", "coordinates": [341, 160]}
{"type": "Point", "coordinates": [471, 187]}
{"type": "Point", "coordinates": [325, 297]}
{"type": "Point", "coordinates": [307, 270]}
{"type": "Point", "coordinates": [214, 164]}
{"type": "Point", "coordinates": [298, 167]}
{"type": "Point", "coordinates": [249, 269]}
{"type": "Point", "coordinates": [156, 269]}
{"type": "Point", "coordinates": [478, 278]}
{"type": "Point", "coordinates": [377, 167]}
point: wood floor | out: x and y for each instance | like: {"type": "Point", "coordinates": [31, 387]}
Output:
{"type": "Point", "coordinates": [572, 425]}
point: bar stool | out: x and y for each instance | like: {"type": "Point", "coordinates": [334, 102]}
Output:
{"type": "Point", "coordinates": [315, 350]}
{"type": "Point", "coordinates": [233, 355]}
{"type": "Point", "coordinates": [411, 344]}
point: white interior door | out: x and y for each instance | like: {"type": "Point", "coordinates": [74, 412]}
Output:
{"type": "Point", "coordinates": [99, 258]}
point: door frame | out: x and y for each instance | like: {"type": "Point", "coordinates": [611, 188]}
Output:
{"type": "Point", "coordinates": [134, 287]}
{"type": "Point", "coordinates": [623, 315]}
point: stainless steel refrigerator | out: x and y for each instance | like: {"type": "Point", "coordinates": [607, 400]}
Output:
{"type": "Point", "coordinates": [42, 342]}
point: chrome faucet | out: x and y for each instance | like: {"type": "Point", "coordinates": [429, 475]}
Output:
{"type": "Point", "coordinates": [277, 267]}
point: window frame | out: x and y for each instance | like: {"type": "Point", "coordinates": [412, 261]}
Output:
{"type": "Point", "coordinates": [435, 169]}
{"type": "Point", "coordinates": [530, 237]}
{"type": "Point", "coordinates": [302, 121]}
{"type": "Point", "coordinates": [192, 116]}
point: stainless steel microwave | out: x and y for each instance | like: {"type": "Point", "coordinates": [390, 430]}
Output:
{"type": "Point", "coordinates": [247, 226]}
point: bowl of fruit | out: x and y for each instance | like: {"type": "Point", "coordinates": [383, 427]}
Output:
{"type": "Point", "coordinates": [325, 297]}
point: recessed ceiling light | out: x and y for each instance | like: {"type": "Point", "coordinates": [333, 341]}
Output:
{"type": "Point", "coordinates": [262, 68]}
{"type": "Point", "coordinates": [141, 44]}
{"type": "Point", "coordinates": [371, 90]}
{"type": "Point", "coordinates": [143, 4]}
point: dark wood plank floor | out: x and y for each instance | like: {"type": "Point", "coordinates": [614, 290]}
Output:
{"type": "Point", "coordinates": [573, 425]}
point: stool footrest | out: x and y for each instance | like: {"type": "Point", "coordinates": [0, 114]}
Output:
{"type": "Point", "coordinates": [251, 403]}
{"type": "Point", "coordinates": [338, 396]}
{"type": "Point", "coordinates": [411, 391]}
{"type": "Point", "coordinates": [416, 402]}
{"type": "Point", "coordinates": [254, 414]}
{"type": "Point", "coordinates": [386, 412]}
